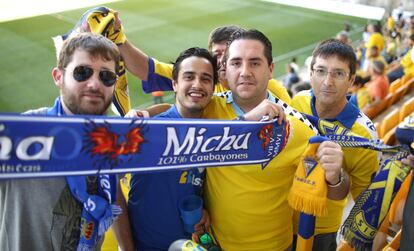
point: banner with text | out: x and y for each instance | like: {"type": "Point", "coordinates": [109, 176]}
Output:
{"type": "Point", "coordinates": [45, 146]}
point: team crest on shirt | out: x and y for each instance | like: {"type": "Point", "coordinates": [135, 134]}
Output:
{"type": "Point", "coordinates": [309, 164]}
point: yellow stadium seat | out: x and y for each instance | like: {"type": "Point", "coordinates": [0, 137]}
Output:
{"type": "Point", "coordinates": [407, 108]}
{"type": "Point", "coordinates": [395, 85]}
{"type": "Point", "coordinates": [398, 94]}
{"type": "Point", "coordinates": [409, 85]}
{"type": "Point", "coordinates": [390, 121]}
{"type": "Point", "coordinates": [374, 110]}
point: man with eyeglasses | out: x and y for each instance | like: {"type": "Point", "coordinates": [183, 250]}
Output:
{"type": "Point", "coordinates": [43, 214]}
{"type": "Point", "coordinates": [333, 69]}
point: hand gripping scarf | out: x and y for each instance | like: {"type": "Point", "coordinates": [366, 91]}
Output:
{"type": "Point", "coordinates": [101, 20]}
{"type": "Point", "coordinates": [309, 189]}
{"type": "Point", "coordinates": [372, 206]}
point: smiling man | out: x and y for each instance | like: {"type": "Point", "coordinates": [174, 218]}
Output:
{"type": "Point", "coordinates": [153, 227]}
{"type": "Point", "coordinates": [333, 69]}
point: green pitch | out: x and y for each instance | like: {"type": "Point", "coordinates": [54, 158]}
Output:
{"type": "Point", "coordinates": [161, 29]}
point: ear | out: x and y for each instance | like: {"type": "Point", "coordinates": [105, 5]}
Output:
{"type": "Point", "coordinates": [271, 68]}
{"type": "Point", "coordinates": [352, 80]}
{"type": "Point", "coordinates": [175, 85]}
{"type": "Point", "coordinates": [57, 76]}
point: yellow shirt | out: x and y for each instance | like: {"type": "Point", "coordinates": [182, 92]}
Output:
{"type": "Point", "coordinates": [247, 204]}
{"type": "Point", "coordinates": [407, 64]}
{"type": "Point", "coordinates": [390, 23]}
{"type": "Point", "coordinates": [359, 163]}
{"type": "Point", "coordinates": [363, 97]}
{"type": "Point", "coordinates": [376, 39]}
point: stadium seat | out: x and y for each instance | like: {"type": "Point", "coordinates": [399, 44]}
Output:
{"type": "Point", "coordinates": [374, 110]}
{"type": "Point", "coordinates": [407, 108]}
{"type": "Point", "coordinates": [395, 85]}
{"type": "Point", "coordinates": [405, 79]}
{"type": "Point", "coordinates": [389, 138]}
{"type": "Point", "coordinates": [398, 94]}
{"type": "Point", "coordinates": [390, 121]}
{"type": "Point", "coordinates": [387, 101]}
{"type": "Point", "coordinates": [408, 85]}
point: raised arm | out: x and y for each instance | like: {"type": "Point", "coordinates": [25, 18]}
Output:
{"type": "Point", "coordinates": [136, 61]}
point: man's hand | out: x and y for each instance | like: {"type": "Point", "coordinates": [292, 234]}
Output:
{"type": "Point", "coordinates": [409, 161]}
{"type": "Point", "coordinates": [266, 109]}
{"type": "Point", "coordinates": [118, 35]}
{"type": "Point", "coordinates": [137, 114]}
{"type": "Point", "coordinates": [330, 157]}
{"type": "Point", "coordinates": [203, 224]}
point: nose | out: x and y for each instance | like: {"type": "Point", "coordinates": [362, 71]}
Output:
{"type": "Point", "coordinates": [245, 70]}
{"type": "Point", "coordinates": [197, 82]}
{"type": "Point", "coordinates": [329, 80]}
{"type": "Point", "coordinates": [94, 81]}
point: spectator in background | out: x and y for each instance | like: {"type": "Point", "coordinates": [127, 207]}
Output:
{"type": "Point", "coordinates": [291, 78]}
{"type": "Point", "coordinates": [379, 85]}
{"type": "Point", "coordinates": [360, 94]}
{"type": "Point", "coordinates": [374, 55]}
{"type": "Point", "coordinates": [405, 66]}
{"type": "Point", "coordinates": [375, 38]}
{"type": "Point", "coordinates": [343, 37]}
{"type": "Point", "coordinates": [293, 63]}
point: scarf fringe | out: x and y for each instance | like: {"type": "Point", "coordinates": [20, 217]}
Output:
{"type": "Point", "coordinates": [356, 242]}
{"type": "Point", "coordinates": [312, 205]}
{"type": "Point", "coordinates": [106, 222]}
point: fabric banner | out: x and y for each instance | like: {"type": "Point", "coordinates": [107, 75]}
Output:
{"type": "Point", "coordinates": [44, 146]}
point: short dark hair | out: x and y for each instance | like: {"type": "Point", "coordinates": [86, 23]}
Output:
{"type": "Point", "coordinates": [334, 47]}
{"type": "Point", "coordinates": [252, 35]}
{"type": "Point", "coordinates": [221, 34]}
{"type": "Point", "coordinates": [195, 52]}
{"type": "Point", "coordinates": [95, 44]}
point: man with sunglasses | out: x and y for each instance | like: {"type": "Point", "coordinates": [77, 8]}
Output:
{"type": "Point", "coordinates": [333, 69]}
{"type": "Point", "coordinates": [43, 214]}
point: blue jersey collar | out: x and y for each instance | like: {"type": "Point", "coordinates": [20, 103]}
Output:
{"type": "Point", "coordinates": [346, 117]}
{"type": "Point", "coordinates": [56, 109]}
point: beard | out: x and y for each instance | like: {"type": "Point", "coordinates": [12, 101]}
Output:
{"type": "Point", "coordinates": [77, 104]}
